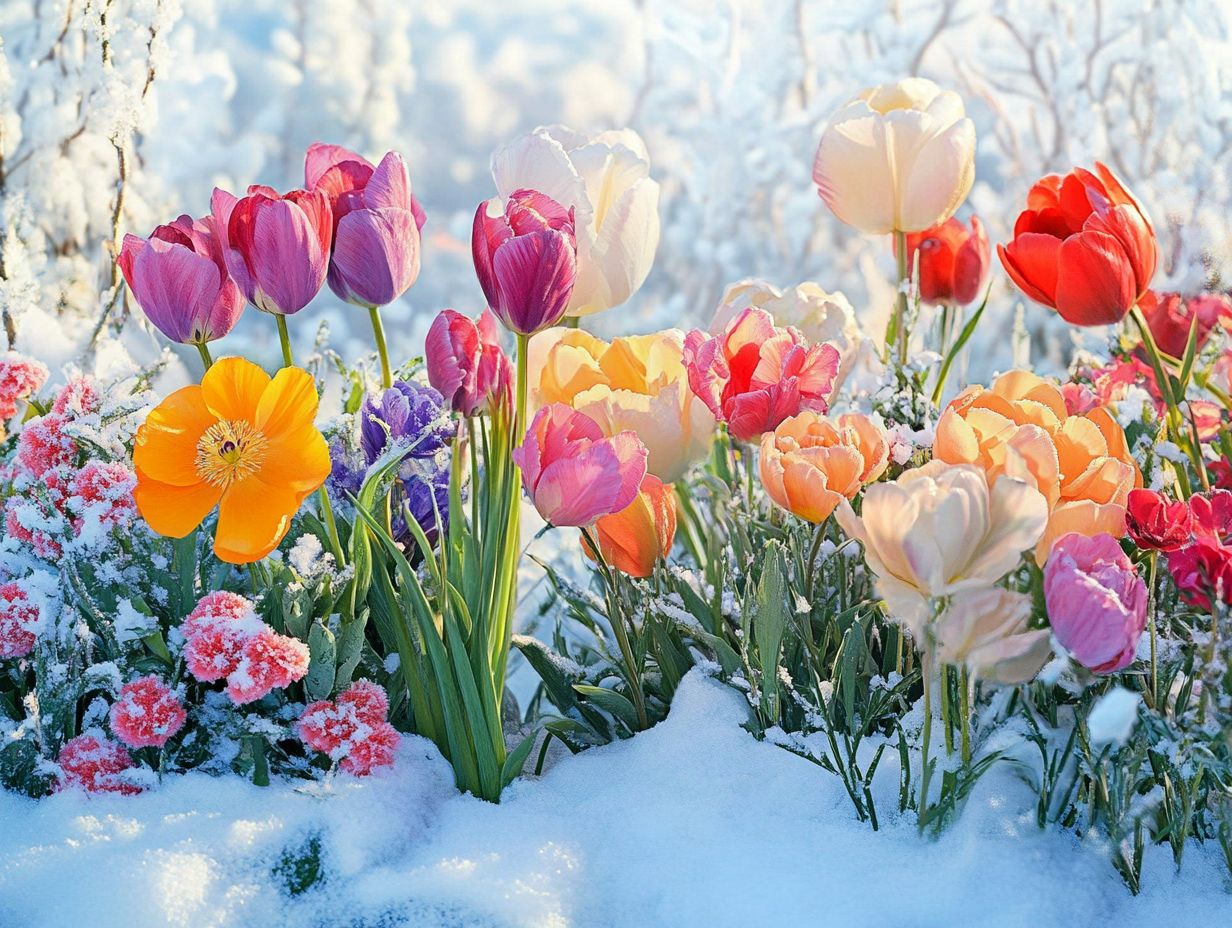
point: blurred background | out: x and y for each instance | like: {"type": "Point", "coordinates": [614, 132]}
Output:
{"type": "Point", "coordinates": [116, 115]}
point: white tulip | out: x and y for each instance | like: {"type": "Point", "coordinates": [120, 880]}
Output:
{"type": "Point", "coordinates": [606, 179]}
{"type": "Point", "coordinates": [899, 157]}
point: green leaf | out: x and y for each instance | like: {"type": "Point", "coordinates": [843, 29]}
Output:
{"type": "Point", "coordinates": [770, 623]}
{"type": "Point", "coordinates": [517, 760]}
{"type": "Point", "coordinates": [959, 343]}
{"type": "Point", "coordinates": [550, 667]}
{"type": "Point", "coordinates": [610, 701]}
{"type": "Point", "coordinates": [319, 682]}
{"type": "Point", "coordinates": [350, 648]}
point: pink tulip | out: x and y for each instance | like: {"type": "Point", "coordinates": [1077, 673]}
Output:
{"type": "Point", "coordinates": [1096, 602]}
{"type": "Point", "coordinates": [526, 259]}
{"type": "Point", "coordinates": [277, 246]}
{"type": "Point", "coordinates": [376, 223]}
{"type": "Point", "coordinates": [465, 361]}
{"type": "Point", "coordinates": [756, 374]}
{"type": "Point", "coordinates": [572, 473]}
{"type": "Point", "coordinates": [179, 277]}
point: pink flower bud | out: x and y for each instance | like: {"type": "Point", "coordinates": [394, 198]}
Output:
{"type": "Point", "coordinates": [465, 361]}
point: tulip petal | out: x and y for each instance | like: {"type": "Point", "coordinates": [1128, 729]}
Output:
{"type": "Point", "coordinates": [852, 170]}
{"type": "Point", "coordinates": [534, 274]}
{"type": "Point", "coordinates": [1095, 282]}
{"type": "Point", "coordinates": [284, 253]}
{"type": "Point", "coordinates": [1031, 259]}
{"type": "Point", "coordinates": [376, 256]}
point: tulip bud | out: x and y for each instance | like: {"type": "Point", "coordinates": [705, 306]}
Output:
{"type": "Point", "coordinates": [376, 246]}
{"type": "Point", "coordinates": [641, 534]}
{"type": "Point", "coordinates": [953, 261]}
{"type": "Point", "coordinates": [1170, 316]}
{"type": "Point", "coordinates": [1084, 247]}
{"type": "Point", "coordinates": [179, 277]}
{"type": "Point", "coordinates": [525, 256]}
{"type": "Point", "coordinates": [900, 157]}
{"type": "Point", "coordinates": [465, 361]}
{"type": "Point", "coordinates": [276, 245]}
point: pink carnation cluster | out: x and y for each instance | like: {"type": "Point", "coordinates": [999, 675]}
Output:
{"type": "Point", "coordinates": [19, 619]}
{"type": "Point", "coordinates": [54, 500]}
{"type": "Point", "coordinates": [225, 638]}
{"type": "Point", "coordinates": [352, 729]}
{"type": "Point", "coordinates": [95, 763]}
{"type": "Point", "coordinates": [20, 378]}
{"type": "Point", "coordinates": [147, 713]}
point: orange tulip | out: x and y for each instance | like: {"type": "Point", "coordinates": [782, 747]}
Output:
{"type": "Point", "coordinates": [240, 441]}
{"type": "Point", "coordinates": [1020, 427]}
{"type": "Point", "coordinates": [809, 464]}
{"type": "Point", "coordinates": [635, 538]}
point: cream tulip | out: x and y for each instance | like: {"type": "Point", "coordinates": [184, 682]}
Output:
{"type": "Point", "coordinates": [638, 383]}
{"type": "Point", "coordinates": [940, 529]}
{"type": "Point", "coordinates": [899, 157]}
{"type": "Point", "coordinates": [987, 631]}
{"type": "Point", "coordinates": [606, 180]}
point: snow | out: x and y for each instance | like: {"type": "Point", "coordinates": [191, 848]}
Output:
{"type": "Point", "coordinates": [1112, 717]}
{"type": "Point", "coordinates": [692, 823]}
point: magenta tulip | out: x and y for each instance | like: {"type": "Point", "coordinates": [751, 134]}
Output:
{"type": "Point", "coordinates": [277, 245]}
{"type": "Point", "coordinates": [376, 223]}
{"type": "Point", "coordinates": [179, 277]}
{"type": "Point", "coordinates": [1096, 601]}
{"type": "Point", "coordinates": [465, 362]}
{"type": "Point", "coordinates": [526, 258]}
{"type": "Point", "coordinates": [572, 472]}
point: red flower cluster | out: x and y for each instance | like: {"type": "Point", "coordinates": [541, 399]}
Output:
{"type": "Point", "coordinates": [352, 729]}
{"type": "Point", "coordinates": [226, 639]}
{"type": "Point", "coordinates": [1197, 537]}
{"type": "Point", "coordinates": [94, 763]}
{"type": "Point", "coordinates": [147, 713]}
{"type": "Point", "coordinates": [20, 378]}
{"type": "Point", "coordinates": [19, 619]}
{"type": "Point", "coordinates": [1170, 315]}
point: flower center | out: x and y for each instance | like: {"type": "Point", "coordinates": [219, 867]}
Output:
{"type": "Point", "coordinates": [230, 450]}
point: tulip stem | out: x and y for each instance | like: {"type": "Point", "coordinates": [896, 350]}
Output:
{"type": "Point", "coordinates": [284, 337]}
{"type": "Point", "coordinates": [925, 769]}
{"type": "Point", "coordinates": [900, 301]}
{"type": "Point", "coordinates": [204, 351]}
{"type": "Point", "coordinates": [947, 721]}
{"type": "Point", "coordinates": [331, 527]}
{"type": "Point", "coordinates": [1150, 606]}
{"type": "Point", "coordinates": [523, 361]}
{"type": "Point", "coordinates": [1175, 421]}
{"type": "Point", "coordinates": [810, 568]}
{"type": "Point", "coordinates": [378, 331]}
{"type": "Point", "coordinates": [964, 713]}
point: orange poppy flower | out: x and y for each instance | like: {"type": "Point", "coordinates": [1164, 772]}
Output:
{"type": "Point", "coordinates": [240, 441]}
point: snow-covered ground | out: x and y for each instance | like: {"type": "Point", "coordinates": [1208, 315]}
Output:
{"type": "Point", "coordinates": [693, 823]}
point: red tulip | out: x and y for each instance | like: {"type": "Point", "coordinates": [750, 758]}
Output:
{"type": "Point", "coordinates": [1155, 523]}
{"type": "Point", "coordinates": [1170, 316]}
{"type": "Point", "coordinates": [953, 261]}
{"type": "Point", "coordinates": [1212, 515]}
{"type": "Point", "coordinates": [1083, 246]}
{"type": "Point", "coordinates": [1202, 572]}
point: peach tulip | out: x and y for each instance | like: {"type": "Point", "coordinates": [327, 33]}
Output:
{"type": "Point", "coordinates": [940, 529]}
{"type": "Point", "coordinates": [1022, 427]}
{"type": "Point", "coordinates": [809, 464]}
{"type": "Point", "coordinates": [898, 158]}
{"type": "Point", "coordinates": [636, 538]}
{"type": "Point", "coordinates": [638, 383]}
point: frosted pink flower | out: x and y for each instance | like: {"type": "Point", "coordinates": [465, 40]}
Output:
{"type": "Point", "coordinates": [376, 750]}
{"type": "Point", "coordinates": [20, 378]}
{"type": "Point", "coordinates": [94, 763]}
{"type": "Point", "coordinates": [1080, 398]}
{"type": "Point", "coordinates": [367, 700]}
{"type": "Point", "coordinates": [19, 618]}
{"type": "Point", "coordinates": [35, 515]}
{"type": "Point", "coordinates": [44, 445]}
{"type": "Point", "coordinates": [79, 397]}
{"type": "Point", "coordinates": [352, 729]}
{"type": "Point", "coordinates": [269, 661]}
{"type": "Point", "coordinates": [102, 493]}
{"type": "Point", "coordinates": [147, 713]}
{"type": "Point", "coordinates": [216, 631]}
{"type": "Point", "coordinates": [1096, 601]}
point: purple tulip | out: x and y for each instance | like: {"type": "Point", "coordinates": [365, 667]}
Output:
{"type": "Point", "coordinates": [277, 245]}
{"type": "Point", "coordinates": [180, 280]}
{"type": "Point", "coordinates": [1096, 601]}
{"type": "Point", "coordinates": [376, 223]}
{"type": "Point", "coordinates": [526, 259]}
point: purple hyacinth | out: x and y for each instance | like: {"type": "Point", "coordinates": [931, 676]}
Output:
{"type": "Point", "coordinates": [411, 416]}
